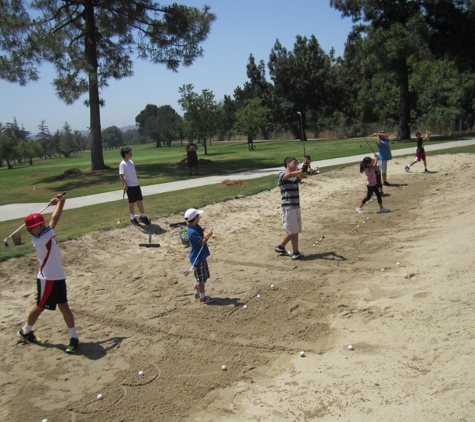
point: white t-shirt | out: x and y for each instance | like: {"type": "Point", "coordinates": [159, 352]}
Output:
{"type": "Point", "coordinates": [49, 255]}
{"type": "Point", "coordinates": [127, 169]}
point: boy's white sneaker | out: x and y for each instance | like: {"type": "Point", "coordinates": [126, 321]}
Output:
{"type": "Point", "coordinates": [359, 210]}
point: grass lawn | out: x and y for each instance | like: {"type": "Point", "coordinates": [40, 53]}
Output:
{"type": "Point", "coordinates": [39, 182]}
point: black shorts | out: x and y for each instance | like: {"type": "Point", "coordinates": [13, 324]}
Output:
{"type": "Point", "coordinates": [50, 293]}
{"type": "Point", "coordinates": [134, 193]}
{"type": "Point", "coordinates": [192, 161]}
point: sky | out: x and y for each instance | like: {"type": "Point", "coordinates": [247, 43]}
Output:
{"type": "Point", "coordinates": [242, 27]}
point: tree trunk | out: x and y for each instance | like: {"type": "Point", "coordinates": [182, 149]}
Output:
{"type": "Point", "coordinates": [404, 102]}
{"type": "Point", "coordinates": [97, 159]}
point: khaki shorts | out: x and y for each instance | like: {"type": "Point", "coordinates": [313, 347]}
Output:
{"type": "Point", "coordinates": [291, 220]}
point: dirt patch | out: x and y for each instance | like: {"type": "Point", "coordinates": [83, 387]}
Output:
{"type": "Point", "coordinates": [68, 173]}
{"type": "Point", "coordinates": [230, 183]}
{"type": "Point", "coordinates": [107, 168]}
{"type": "Point", "coordinates": [201, 162]}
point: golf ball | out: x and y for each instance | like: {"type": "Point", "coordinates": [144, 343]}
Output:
{"type": "Point", "coordinates": [272, 286]}
{"type": "Point", "coordinates": [358, 226]}
{"type": "Point", "coordinates": [350, 347]}
{"type": "Point", "coordinates": [99, 397]}
{"type": "Point", "coordinates": [398, 264]}
{"type": "Point", "coordinates": [44, 420]}
{"type": "Point", "coordinates": [140, 373]}
{"type": "Point", "coordinates": [382, 269]}
{"type": "Point", "coordinates": [302, 353]}
{"type": "Point", "coordinates": [258, 296]}
{"type": "Point", "coordinates": [320, 239]}
{"type": "Point", "coordinates": [223, 368]}
{"type": "Point", "coordinates": [245, 306]}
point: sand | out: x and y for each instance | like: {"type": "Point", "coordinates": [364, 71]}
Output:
{"type": "Point", "coordinates": [410, 325]}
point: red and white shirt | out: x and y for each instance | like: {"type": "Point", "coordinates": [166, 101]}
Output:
{"type": "Point", "coordinates": [49, 255]}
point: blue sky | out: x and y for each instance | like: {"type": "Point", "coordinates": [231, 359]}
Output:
{"type": "Point", "coordinates": [242, 27]}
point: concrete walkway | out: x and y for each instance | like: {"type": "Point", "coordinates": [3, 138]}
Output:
{"type": "Point", "coordinates": [14, 211]}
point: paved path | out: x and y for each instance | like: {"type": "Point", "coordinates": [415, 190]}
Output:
{"type": "Point", "coordinates": [14, 211]}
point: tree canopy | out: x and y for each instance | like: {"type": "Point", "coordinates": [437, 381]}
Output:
{"type": "Point", "coordinates": [90, 41]}
{"type": "Point", "coordinates": [201, 112]}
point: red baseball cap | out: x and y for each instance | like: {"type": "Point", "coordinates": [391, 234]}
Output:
{"type": "Point", "coordinates": [34, 220]}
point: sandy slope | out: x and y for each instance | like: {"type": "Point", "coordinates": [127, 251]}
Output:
{"type": "Point", "coordinates": [413, 337]}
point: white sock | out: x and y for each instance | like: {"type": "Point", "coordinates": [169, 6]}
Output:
{"type": "Point", "coordinates": [132, 216]}
{"type": "Point", "coordinates": [26, 329]}
{"type": "Point", "coordinates": [72, 332]}
{"type": "Point", "coordinates": [142, 215]}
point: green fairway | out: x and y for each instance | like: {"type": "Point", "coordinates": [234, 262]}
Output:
{"type": "Point", "coordinates": [38, 183]}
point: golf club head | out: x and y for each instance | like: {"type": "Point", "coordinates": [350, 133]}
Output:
{"type": "Point", "coordinates": [189, 271]}
{"type": "Point", "coordinates": [5, 243]}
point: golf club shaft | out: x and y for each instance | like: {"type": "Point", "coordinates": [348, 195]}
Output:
{"type": "Point", "coordinates": [121, 207]}
{"type": "Point", "coordinates": [19, 228]}
{"type": "Point", "coordinates": [196, 259]}
{"type": "Point", "coordinates": [23, 225]}
{"type": "Point", "coordinates": [302, 133]}
{"type": "Point", "coordinates": [368, 145]}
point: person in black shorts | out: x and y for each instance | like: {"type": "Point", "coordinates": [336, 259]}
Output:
{"type": "Point", "coordinates": [51, 281]}
{"type": "Point", "coordinates": [128, 176]}
{"type": "Point", "coordinates": [192, 156]}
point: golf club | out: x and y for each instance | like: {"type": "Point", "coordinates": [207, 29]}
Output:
{"type": "Point", "coordinates": [5, 243]}
{"type": "Point", "coordinates": [194, 262]}
{"type": "Point", "coordinates": [301, 130]}
{"type": "Point", "coordinates": [121, 207]}
{"type": "Point", "coordinates": [359, 134]}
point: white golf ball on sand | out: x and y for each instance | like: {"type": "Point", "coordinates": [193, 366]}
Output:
{"type": "Point", "coordinates": [272, 286]}
{"type": "Point", "coordinates": [382, 269]}
{"type": "Point", "coordinates": [398, 264]}
{"type": "Point", "coordinates": [245, 306]}
{"type": "Point", "coordinates": [258, 296]}
{"type": "Point", "coordinates": [44, 420]}
{"type": "Point", "coordinates": [140, 373]}
{"type": "Point", "coordinates": [223, 368]}
{"type": "Point", "coordinates": [358, 226]}
{"type": "Point", "coordinates": [350, 347]}
{"type": "Point", "coordinates": [99, 397]}
{"type": "Point", "coordinates": [302, 353]}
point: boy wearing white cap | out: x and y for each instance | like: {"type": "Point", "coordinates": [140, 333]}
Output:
{"type": "Point", "coordinates": [199, 251]}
